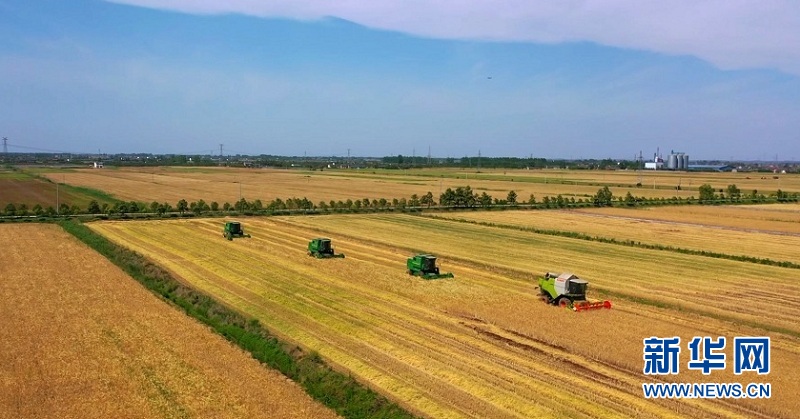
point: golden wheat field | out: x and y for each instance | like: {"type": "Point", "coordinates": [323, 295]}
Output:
{"type": "Point", "coordinates": [773, 218]}
{"type": "Point", "coordinates": [82, 339]}
{"type": "Point", "coordinates": [760, 231]}
{"type": "Point", "coordinates": [483, 344]}
{"type": "Point", "coordinates": [170, 184]}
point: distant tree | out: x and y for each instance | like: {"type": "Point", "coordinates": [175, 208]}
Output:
{"type": "Point", "coordinates": [546, 202]}
{"type": "Point", "coordinates": [706, 193]}
{"type": "Point", "coordinates": [365, 202]}
{"type": "Point", "coordinates": [241, 205]}
{"type": "Point", "coordinates": [734, 193]}
{"type": "Point", "coordinates": [603, 197]}
{"type": "Point", "coordinates": [512, 198]}
{"type": "Point", "coordinates": [22, 209]}
{"type": "Point", "coordinates": [532, 200]}
{"type": "Point", "coordinates": [38, 210]}
{"type": "Point", "coordinates": [214, 206]}
{"type": "Point", "coordinates": [414, 201]}
{"type": "Point", "coordinates": [64, 209]}
{"type": "Point", "coordinates": [427, 199]}
{"type": "Point", "coordinates": [154, 206]}
{"type": "Point", "coordinates": [183, 206]}
{"type": "Point", "coordinates": [485, 200]}
{"type": "Point", "coordinates": [630, 200]}
{"type": "Point", "coordinates": [11, 209]}
{"type": "Point", "coordinates": [198, 207]}
{"type": "Point", "coordinates": [161, 209]}
{"type": "Point", "coordinates": [93, 208]}
{"type": "Point", "coordinates": [120, 207]}
{"type": "Point", "coordinates": [447, 198]}
{"type": "Point", "coordinates": [133, 207]}
{"type": "Point", "coordinates": [560, 201]}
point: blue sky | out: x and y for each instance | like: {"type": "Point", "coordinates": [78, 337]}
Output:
{"type": "Point", "coordinates": [573, 79]}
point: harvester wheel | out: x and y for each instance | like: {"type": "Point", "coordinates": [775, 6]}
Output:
{"type": "Point", "coordinates": [564, 302]}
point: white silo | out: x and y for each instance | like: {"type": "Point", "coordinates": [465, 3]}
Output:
{"type": "Point", "coordinates": [672, 163]}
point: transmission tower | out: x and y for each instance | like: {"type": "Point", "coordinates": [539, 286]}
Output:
{"type": "Point", "coordinates": [5, 145]}
{"type": "Point", "coordinates": [639, 161]}
{"type": "Point", "coordinates": [429, 155]}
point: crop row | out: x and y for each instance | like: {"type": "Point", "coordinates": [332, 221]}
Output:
{"type": "Point", "coordinates": [422, 342]}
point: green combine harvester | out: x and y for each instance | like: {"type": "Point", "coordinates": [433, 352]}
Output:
{"type": "Point", "coordinates": [568, 291]}
{"type": "Point", "coordinates": [322, 249]}
{"type": "Point", "coordinates": [232, 230]}
{"type": "Point", "coordinates": [425, 267]}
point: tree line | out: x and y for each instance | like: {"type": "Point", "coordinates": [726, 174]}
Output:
{"type": "Point", "coordinates": [460, 197]}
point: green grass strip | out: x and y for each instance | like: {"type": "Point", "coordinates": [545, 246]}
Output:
{"type": "Point", "coordinates": [338, 391]}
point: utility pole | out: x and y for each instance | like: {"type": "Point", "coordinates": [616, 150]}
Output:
{"type": "Point", "coordinates": [5, 146]}
{"type": "Point", "coordinates": [429, 155]}
{"type": "Point", "coordinates": [479, 160]}
{"type": "Point", "coordinates": [220, 150]}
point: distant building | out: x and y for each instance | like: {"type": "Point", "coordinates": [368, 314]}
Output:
{"type": "Point", "coordinates": [711, 168]}
{"type": "Point", "coordinates": [656, 164]}
{"type": "Point", "coordinates": [98, 165]}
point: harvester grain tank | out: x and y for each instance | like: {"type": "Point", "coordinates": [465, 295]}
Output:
{"type": "Point", "coordinates": [322, 248]}
{"type": "Point", "coordinates": [424, 266]}
{"type": "Point", "coordinates": [568, 291]}
{"type": "Point", "coordinates": [232, 230]}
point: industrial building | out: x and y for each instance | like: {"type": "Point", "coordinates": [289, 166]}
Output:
{"type": "Point", "coordinates": [675, 161]}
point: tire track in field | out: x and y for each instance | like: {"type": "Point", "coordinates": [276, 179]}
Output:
{"type": "Point", "coordinates": [290, 245]}
{"type": "Point", "coordinates": [406, 320]}
{"type": "Point", "coordinates": [435, 352]}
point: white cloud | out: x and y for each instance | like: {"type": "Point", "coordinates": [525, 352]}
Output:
{"type": "Point", "coordinates": [732, 34]}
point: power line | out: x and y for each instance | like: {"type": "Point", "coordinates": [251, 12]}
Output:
{"type": "Point", "coordinates": [43, 150]}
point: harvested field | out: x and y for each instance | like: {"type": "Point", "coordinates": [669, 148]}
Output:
{"type": "Point", "coordinates": [482, 344]}
{"type": "Point", "coordinates": [82, 339]}
{"type": "Point", "coordinates": [773, 218]}
{"type": "Point", "coordinates": [165, 184]}
{"type": "Point", "coordinates": [20, 188]}
{"type": "Point", "coordinates": [770, 231]}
